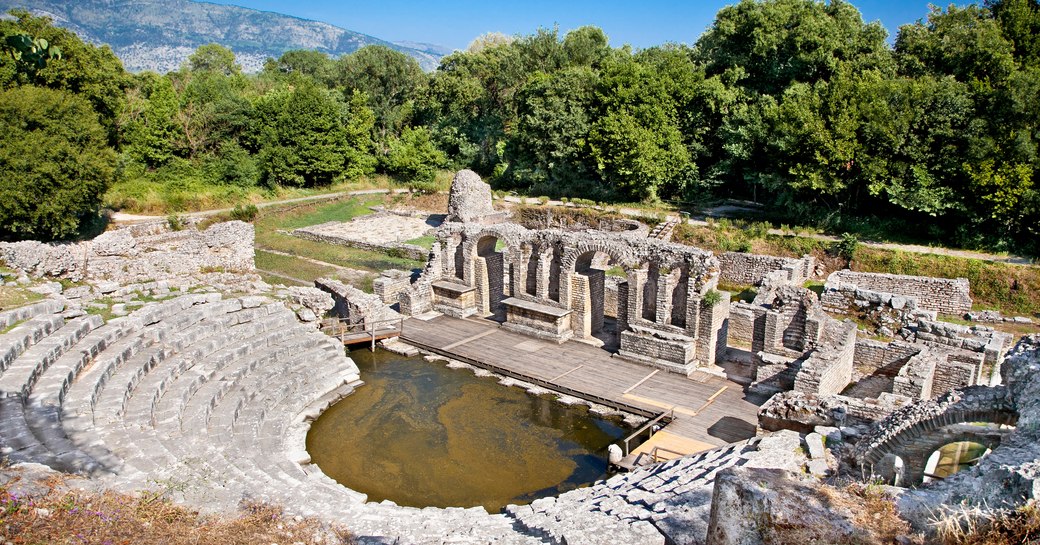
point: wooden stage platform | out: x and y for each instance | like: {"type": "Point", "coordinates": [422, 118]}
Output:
{"type": "Point", "coordinates": [709, 410]}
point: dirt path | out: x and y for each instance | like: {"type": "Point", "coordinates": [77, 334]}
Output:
{"type": "Point", "coordinates": [121, 217]}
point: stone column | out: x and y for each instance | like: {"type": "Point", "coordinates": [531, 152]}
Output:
{"type": "Point", "coordinates": [665, 285]}
{"type": "Point", "coordinates": [544, 266]}
{"type": "Point", "coordinates": [712, 329]}
{"type": "Point", "coordinates": [636, 283]}
{"type": "Point", "coordinates": [581, 319]}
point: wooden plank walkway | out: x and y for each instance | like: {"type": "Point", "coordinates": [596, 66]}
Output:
{"type": "Point", "coordinates": [710, 411]}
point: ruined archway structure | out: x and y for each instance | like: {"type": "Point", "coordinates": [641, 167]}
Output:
{"type": "Point", "coordinates": [543, 283]}
{"type": "Point", "coordinates": [915, 431]}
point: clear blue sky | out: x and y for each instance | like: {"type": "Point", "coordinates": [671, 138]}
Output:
{"type": "Point", "coordinates": [454, 24]}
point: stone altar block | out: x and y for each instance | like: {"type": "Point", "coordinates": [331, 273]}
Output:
{"type": "Point", "coordinates": [537, 320]}
{"type": "Point", "coordinates": [453, 299]}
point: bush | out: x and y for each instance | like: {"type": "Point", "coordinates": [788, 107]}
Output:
{"type": "Point", "coordinates": [244, 213]}
{"type": "Point", "coordinates": [712, 298]}
{"type": "Point", "coordinates": [414, 159]}
{"type": "Point", "coordinates": [846, 247]}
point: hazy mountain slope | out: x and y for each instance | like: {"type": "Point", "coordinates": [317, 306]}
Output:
{"type": "Point", "coordinates": [160, 34]}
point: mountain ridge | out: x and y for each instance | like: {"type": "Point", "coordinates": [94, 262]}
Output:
{"type": "Point", "coordinates": [159, 35]}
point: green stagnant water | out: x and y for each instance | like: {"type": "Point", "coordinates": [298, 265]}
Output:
{"type": "Point", "coordinates": [421, 434]}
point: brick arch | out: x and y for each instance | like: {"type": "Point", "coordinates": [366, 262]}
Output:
{"type": "Point", "coordinates": [569, 262]}
{"type": "Point", "coordinates": [930, 424]}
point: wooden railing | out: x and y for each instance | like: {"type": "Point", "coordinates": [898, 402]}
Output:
{"type": "Point", "coordinates": [371, 330]}
{"type": "Point", "coordinates": [656, 458]}
{"type": "Point", "coordinates": [669, 414]}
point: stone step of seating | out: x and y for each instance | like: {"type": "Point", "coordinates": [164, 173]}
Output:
{"type": "Point", "coordinates": [201, 347]}
{"type": "Point", "coordinates": [26, 334]}
{"type": "Point", "coordinates": [10, 317]}
{"type": "Point", "coordinates": [245, 339]}
{"type": "Point", "coordinates": [19, 379]}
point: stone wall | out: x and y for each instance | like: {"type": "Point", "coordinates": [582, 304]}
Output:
{"type": "Point", "coordinates": [742, 269]}
{"type": "Point", "coordinates": [828, 370]}
{"type": "Point", "coordinates": [742, 323]}
{"type": "Point", "coordinates": [154, 253]}
{"type": "Point", "coordinates": [945, 295]}
{"type": "Point", "coordinates": [390, 284]}
{"type": "Point", "coordinates": [610, 295]}
{"type": "Point", "coordinates": [801, 411]}
{"type": "Point", "coordinates": [875, 357]}
{"type": "Point", "coordinates": [354, 305]}
{"type": "Point", "coordinates": [982, 339]}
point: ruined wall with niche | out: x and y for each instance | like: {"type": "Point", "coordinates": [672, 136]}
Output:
{"type": "Point", "coordinates": [658, 304]}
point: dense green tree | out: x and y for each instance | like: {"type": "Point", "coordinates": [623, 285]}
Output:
{"type": "Point", "coordinates": [55, 163]}
{"type": "Point", "coordinates": [962, 42]}
{"type": "Point", "coordinates": [1019, 21]}
{"type": "Point", "coordinates": [310, 137]}
{"type": "Point", "coordinates": [148, 123]}
{"type": "Point", "coordinates": [413, 158]}
{"type": "Point", "coordinates": [779, 42]}
{"type": "Point", "coordinates": [215, 59]}
{"type": "Point", "coordinates": [550, 146]}
{"type": "Point", "coordinates": [91, 72]}
{"type": "Point", "coordinates": [303, 63]}
{"type": "Point", "coordinates": [391, 80]}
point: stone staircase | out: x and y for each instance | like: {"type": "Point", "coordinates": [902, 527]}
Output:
{"type": "Point", "coordinates": [668, 502]}
{"type": "Point", "coordinates": [663, 230]}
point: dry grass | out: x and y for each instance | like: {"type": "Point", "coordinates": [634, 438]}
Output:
{"type": "Point", "coordinates": [975, 526]}
{"type": "Point", "coordinates": [115, 519]}
{"type": "Point", "coordinates": [16, 296]}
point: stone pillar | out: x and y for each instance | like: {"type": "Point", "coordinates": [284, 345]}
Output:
{"type": "Point", "coordinates": [581, 319]}
{"type": "Point", "coordinates": [481, 280]}
{"type": "Point", "coordinates": [596, 280]}
{"type": "Point", "coordinates": [636, 283]}
{"type": "Point", "coordinates": [622, 307]}
{"type": "Point", "coordinates": [663, 306]}
{"type": "Point", "coordinates": [544, 266]}
{"type": "Point", "coordinates": [712, 330]}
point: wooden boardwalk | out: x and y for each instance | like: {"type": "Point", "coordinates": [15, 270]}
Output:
{"type": "Point", "coordinates": [710, 411]}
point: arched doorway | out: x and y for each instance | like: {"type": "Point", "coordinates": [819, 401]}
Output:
{"type": "Point", "coordinates": [954, 457]}
{"type": "Point", "coordinates": [595, 300]}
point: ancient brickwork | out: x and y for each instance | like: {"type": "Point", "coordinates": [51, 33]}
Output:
{"type": "Point", "coordinates": [828, 370]}
{"type": "Point", "coordinates": [945, 295]}
{"type": "Point", "coordinates": [743, 269]}
{"type": "Point", "coordinates": [354, 305]}
{"type": "Point", "coordinates": [155, 253]}
{"type": "Point", "coordinates": [390, 284]}
{"type": "Point", "coordinates": [981, 339]}
{"type": "Point", "coordinates": [883, 358]}
{"type": "Point", "coordinates": [742, 323]}
{"type": "Point", "coordinates": [658, 305]}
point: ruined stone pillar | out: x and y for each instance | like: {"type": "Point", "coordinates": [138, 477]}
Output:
{"type": "Point", "coordinates": [581, 319]}
{"type": "Point", "coordinates": [665, 285]}
{"type": "Point", "coordinates": [712, 331]}
{"type": "Point", "coordinates": [636, 283]}
{"type": "Point", "coordinates": [482, 283]}
{"type": "Point", "coordinates": [622, 307]}
{"type": "Point", "coordinates": [544, 268]}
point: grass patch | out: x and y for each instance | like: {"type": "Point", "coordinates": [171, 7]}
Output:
{"type": "Point", "coordinates": [742, 294]}
{"type": "Point", "coordinates": [425, 241]}
{"type": "Point", "coordinates": [16, 296]}
{"type": "Point", "coordinates": [296, 216]}
{"type": "Point", "coordinates": [288, 267]}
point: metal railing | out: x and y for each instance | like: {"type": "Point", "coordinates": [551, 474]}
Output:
{"type": "Point", "coordinates": [656, 458]}
{"type": "Point", "coordinates": [347, 331]}
{"type": "Point", "coordinates": [669, 414]}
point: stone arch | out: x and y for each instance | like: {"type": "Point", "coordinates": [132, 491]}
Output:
{"type": "Point", "coordinates": [488, 269]}
{"type": "Point", "coordinates": [924, 457]}
{"type": "Point", "coordinates": [917, 430]}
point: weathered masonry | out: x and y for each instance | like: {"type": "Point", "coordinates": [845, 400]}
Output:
{"type": "Point", "coordinates": [550, 284]}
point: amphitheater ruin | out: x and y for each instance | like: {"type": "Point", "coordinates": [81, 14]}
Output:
{"type": "Point", "coordinates": [161, 360]}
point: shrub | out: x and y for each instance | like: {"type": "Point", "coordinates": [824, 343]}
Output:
{"type": "Point", "coordinates": [244, 213]}
{"type": "Point", "coordinates": [712, 298]}
{"type": "Point", "coordinates": [846, 247]}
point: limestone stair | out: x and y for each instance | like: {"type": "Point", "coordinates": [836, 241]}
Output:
{"type": "Point", "coordinates": [663, 230]}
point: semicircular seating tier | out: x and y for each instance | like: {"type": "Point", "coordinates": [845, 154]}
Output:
{"type": "Point", "coordinates": [202, 398]}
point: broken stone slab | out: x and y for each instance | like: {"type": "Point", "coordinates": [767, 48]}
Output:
{"type": "Point", "coordinates": [814, 444]}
